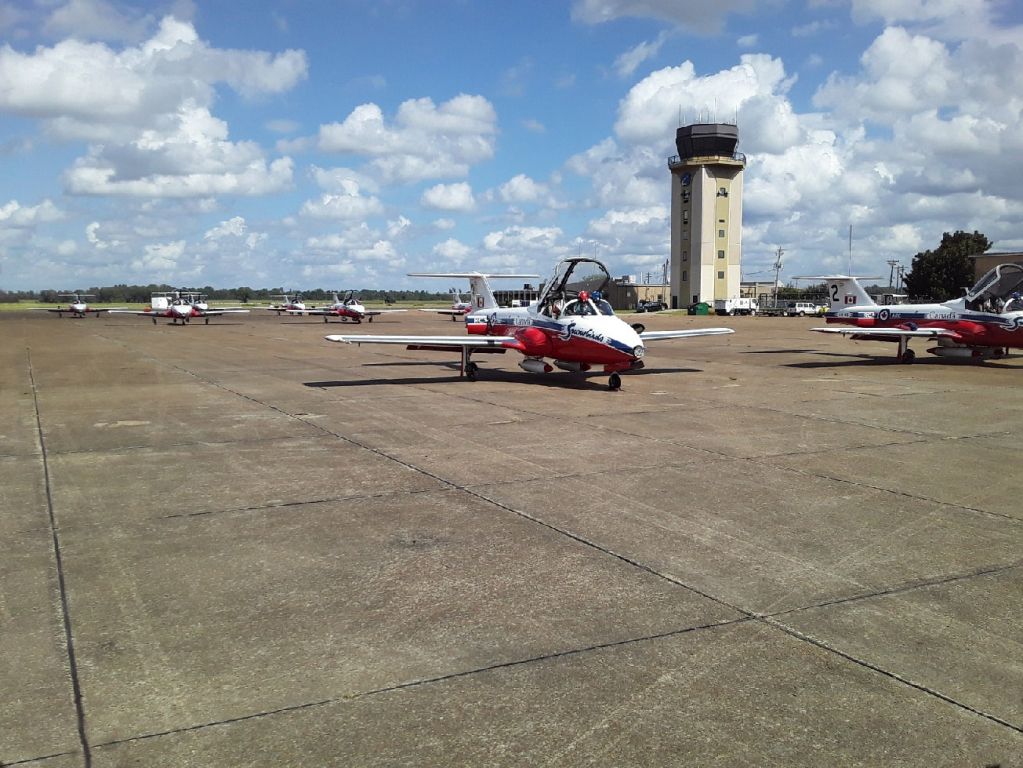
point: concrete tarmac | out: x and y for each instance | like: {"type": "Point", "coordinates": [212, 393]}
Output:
{"type": "Point", "coordinates": [237, 544]}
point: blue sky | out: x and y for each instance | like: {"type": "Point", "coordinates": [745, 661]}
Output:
{"type": "Point", "coordinates": [344, 144]}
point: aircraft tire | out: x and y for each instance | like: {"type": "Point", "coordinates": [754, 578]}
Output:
{"type": "Point", "coordinates": [614, 382]}
{"type": "Point", "coordinates": [371, 318]}
{"type": "Point", "coordinates": [908, 357]}
{"type": "Point", "coordinates": [207, 321]}
{"type": "Point", "coordinates": [471, 370]}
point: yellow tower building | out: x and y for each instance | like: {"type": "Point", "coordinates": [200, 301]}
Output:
{"type": "Point", "coordinates": [706, 214]}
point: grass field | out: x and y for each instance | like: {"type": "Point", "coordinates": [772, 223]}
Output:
{"type": "Point", "coordinates": [18, 306]}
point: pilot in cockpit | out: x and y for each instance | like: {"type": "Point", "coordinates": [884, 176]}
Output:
{"type": "Point", "coordinates": [603, 306]}
{"type": "Point", "coordinates": [580, 306]}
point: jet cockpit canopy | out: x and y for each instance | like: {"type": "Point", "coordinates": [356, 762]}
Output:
{"type": "Point", "coordinates": [572, 277]}
{"type": "Point", "coordinates": [996, 287]}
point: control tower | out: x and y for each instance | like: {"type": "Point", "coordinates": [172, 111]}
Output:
{"type": "Point", "coordinates": [706, 214]}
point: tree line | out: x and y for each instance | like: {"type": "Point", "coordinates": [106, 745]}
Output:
{"type": "Point", "coordinates": [935, 275]}
{"type": "Point", "coordinates": [943, 273]}
{"type": "Point", "coordinates": [141, 294]}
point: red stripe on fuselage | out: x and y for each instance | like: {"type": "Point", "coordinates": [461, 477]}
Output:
{"type": "Point", "coordinates": [970, 332]}
{"type": "Point", "coordinates": [543, 342]}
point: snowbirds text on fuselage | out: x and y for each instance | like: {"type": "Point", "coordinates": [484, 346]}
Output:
{"type": "Point", "coordinates": [571, 323]}
{"type": "Point", "coordinates": [985, 323]}
{"type": "Point", "coordinates": [179, 307]}
{"type": "Point", "coordinates": [348, 308]}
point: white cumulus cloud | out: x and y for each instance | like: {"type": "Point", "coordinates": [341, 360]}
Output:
{"type": "Point", "coordinates": [449, 197]}
{"type": "Point", "coordinates": [424, 141]}
{"type": "Point", "coordinates": [146, 110]}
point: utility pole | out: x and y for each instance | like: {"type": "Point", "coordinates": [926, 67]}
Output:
{"type": "Point", "coordinates": [893, 263]}
{"type": "Point", "coordinates": [777, 271]}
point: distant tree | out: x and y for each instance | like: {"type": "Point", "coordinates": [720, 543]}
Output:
{"type": "Point", "coordinates": [941, 274]}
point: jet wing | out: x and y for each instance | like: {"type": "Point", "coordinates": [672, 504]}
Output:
{"type": "Point", "coordinates": [663, 335]}
{"type": "Point", "coordinates": [146, 312]}
{"type": "Point", "coordinates": [885, 334]}
{"type": "Point", "coordinates": [439, 311]}
{"type": "Point", "coordinates": [445, 343]}
{"type": "Point", "coordinates": [218, 312]}
{"type": "Point", "coordinates": [89, 311]}
{"type": "Point", "coordinates": [335, 311]}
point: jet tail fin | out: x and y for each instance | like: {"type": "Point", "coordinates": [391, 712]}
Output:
{"type": "Point", "coordinates": [843, 290]}
{"type": "Point", "coordinates": [482, 296]}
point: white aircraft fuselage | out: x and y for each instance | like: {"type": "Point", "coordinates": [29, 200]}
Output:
{"type": "Point", "coordinates": [581, 341]}
{"type": "Point", "coordinates": [985, 323]}
{"type": "Point", "coordinates": [571, 324]}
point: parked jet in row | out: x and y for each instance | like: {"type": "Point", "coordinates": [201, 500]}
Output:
{"type": "Point", "coordinates": [570, 323]}
{"type": "Point", "coordinates": [348, 308]}
{"type": "Point", "coordinates": [77, 305]}
{"type": "Point", "coordinates": [459, 306]}
{"type": "Point", "coordinates": [985, 323]}
{"type": "Point", "coordinates": [178, 306]}
{"type": "Point", "coordinates": [289, 303]}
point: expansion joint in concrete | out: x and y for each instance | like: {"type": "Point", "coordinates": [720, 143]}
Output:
{"type": "Point", "coordinates": [65, 609]}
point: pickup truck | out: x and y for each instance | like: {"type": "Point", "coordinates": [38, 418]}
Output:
{"type": "Point", "coordinates": [803, 308]}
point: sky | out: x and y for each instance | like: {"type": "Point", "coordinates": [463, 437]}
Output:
{"type": "Point", "coordinates": [344, 143]}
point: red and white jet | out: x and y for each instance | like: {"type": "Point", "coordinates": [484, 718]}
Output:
{"type": "Point", "coordinates": [348, 308]}
{"type": "Point", "coordinates": [77, 305]}
{"type": "Point", "coordinates": [178, 307]}
{"type": "Point", "coordinates": [289, 303]}
{"type": "Point", "coordinates": [459, 306]}
{"type": "Point", "coordinates": [570, 323]}
{"type": "Point", "coordinates": [983, 324]}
